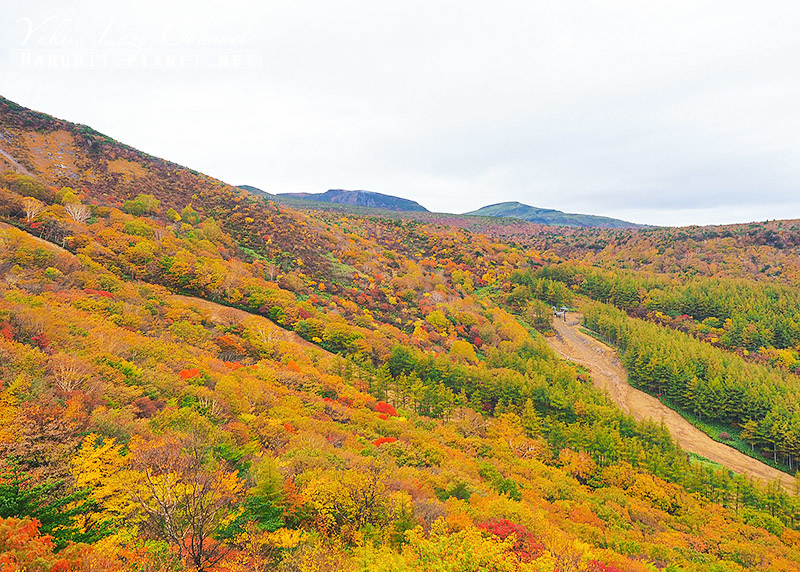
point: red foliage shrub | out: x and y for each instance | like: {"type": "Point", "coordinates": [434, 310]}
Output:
{"type": "Point", "coordinates": [230, 344]}
{"type": "Point", "coordinates": [7, 331]}
{"type": "Point", "coordinates": [383, 416]}
{"type": "Point", "coordinates": [189, 373]}
{"type": "Point", "coordinates": [386, 409]}
{"type": "Point", "coordinates": [526, 546]}
{"type": "Point", "coordinates": [22, 547]}
{"type": "Point", "coordinates": [40, 341]}
{"type": "Point", "coordinates": [290, 428]}
{"type": "Point", "coordinates": [233, 365]}
{"type": "Point", "coordinates": [104, 293]}
{"type": "Point", "coordinates": [382, 440]}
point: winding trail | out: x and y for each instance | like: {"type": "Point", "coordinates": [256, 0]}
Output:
{"type": "Point", "coordinates": [608, 374]}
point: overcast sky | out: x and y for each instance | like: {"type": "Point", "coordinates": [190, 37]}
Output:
{"type": "Point", "coordinates": [661, 112]}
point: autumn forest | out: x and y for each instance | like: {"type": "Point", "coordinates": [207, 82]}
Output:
{"type": "Point", "coordinates": [194, 377]}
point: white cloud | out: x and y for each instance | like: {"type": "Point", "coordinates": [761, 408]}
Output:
{"type": "Point", "coordinates": [678, 112]}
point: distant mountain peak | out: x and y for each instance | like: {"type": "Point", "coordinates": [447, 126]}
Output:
{"type": "Point", "coordinates": [519, 205]}
{"type": "Point", "coordinates": [515, 209]}
{"type": "Point", "coordinates": [256, 191]}
{"type": "Point", "coordinates": [360, 198]}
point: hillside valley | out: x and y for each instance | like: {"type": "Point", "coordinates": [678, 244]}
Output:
{"type": "Point", "coordinates": [199, 376]}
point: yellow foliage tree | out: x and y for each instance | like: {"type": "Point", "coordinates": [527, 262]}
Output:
{"type": "Point", "coordinates": [101, 469]}
{"type": "Point", "coordinates": [464, 350]}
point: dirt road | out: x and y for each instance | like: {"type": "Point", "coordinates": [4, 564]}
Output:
{"type": "Point", "coordinates": [608, 373]}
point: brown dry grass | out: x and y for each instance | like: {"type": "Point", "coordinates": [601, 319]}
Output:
{"type": "Point", "coordinates": [52, 154]}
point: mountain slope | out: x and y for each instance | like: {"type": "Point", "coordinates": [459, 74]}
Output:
{"type": "Point", "coordinates": [360, 198]}
{"type": "Point", "coordinates": [435, 425]}
{"type": "Point", "coordinates": [550, 216]}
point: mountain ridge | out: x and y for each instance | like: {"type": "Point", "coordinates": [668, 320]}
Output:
{"type": "Point", "coordinates": [516, 209]}
{"type": "Point", "coordinates": [370, 199]}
